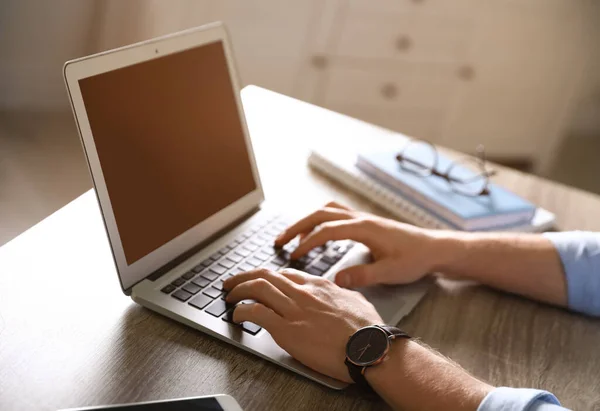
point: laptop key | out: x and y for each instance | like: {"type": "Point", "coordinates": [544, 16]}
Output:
{"type": "Point", "coordinates": [168, 289]}
{"type": "Point", "coordinates": [243, 252]}
{"type": "Point", "coordinates": [225, 250]}
{"type": "Point", "coordinates": [216, 256]}
{"type": "Point", "coordinates": [208, 262]}
{"type": "Point", "coordinates": [330, 260]}
{"type": "Point", "coordinates": [218, 308]}
{"type": "Point", "coordinates": [250, 327]}
{"type": "Point", "coordinates": [297, 265]}
{"type": "Point", "coordinates": [279, 260]}
{"type": "Point", "coordinates": [218, 285]}
{"type": "Point", "coordinates": [219, 269]}
{"type": "Point", "coordinates": [236, 270]}
{"type": "Point", "coordinates": [235, 257]}
{"type": "Point", "coordinates": [210, 276]}
{"type": "Point", "coordinates": [212, 292]}
{"type": "Point", "coordinates": [227, 263]}
{"type": "Point", "coordinates": [201, 281]}
{"type": "Point", "coordinates": [200, 301]}
{"type": "Point", "coordinates": [228, 316]}
{"type": "Point", "coordinates": [189, 275]}
{"type": "Point", "coordinates": [258, 241]}
{"type": "Point", "coordinates": [314, 271]}
{"type": "Point", "coordinates": [203, 265]}
{"type": "Point", "coordinates": [261, 256]}
{"type": "Point", "coordinates": [246, 267]}
{"type": "Point", "coordinates": [181, 295]}
{"type": "Point", "coordinates": [250, 246]}
{"type": "Point", "coordinates": [322, 265]}
{"type": "Point", "coordinates": [178, 282]}
{"type": "Point", "coordinates": [191, 288]}
{"type": "Point", "coordinates": [253, 261]}
{"type": "Point", "coordinates": [305, 259]}
{"type": "Point", "coordinates": [269, 249]}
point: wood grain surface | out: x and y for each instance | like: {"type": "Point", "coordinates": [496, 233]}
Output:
{"type": "Point", "coordinates": [69, 337]}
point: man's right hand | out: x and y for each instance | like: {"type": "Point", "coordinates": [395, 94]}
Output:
{"type": "Point", "coordinates": [401, 253]}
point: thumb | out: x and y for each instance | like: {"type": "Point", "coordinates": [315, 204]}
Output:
{"type": "Point", "coordinates": [363, 275]}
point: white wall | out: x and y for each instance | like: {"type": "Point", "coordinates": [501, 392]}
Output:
{"type": "Point", "coordinates": [36, 38]}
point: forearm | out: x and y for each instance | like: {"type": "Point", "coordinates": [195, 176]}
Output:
{"type": "Point", "coordinates": [525, 264]}
{"type": "Point", "coordinates": [414, 378]}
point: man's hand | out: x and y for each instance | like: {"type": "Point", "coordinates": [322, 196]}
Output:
{"type": "Point", "coordinates": [402, 253]}
{"type": "Point", "coordinates": [312, 318]}
{"type": "Point", "coordinates": [309, 317]}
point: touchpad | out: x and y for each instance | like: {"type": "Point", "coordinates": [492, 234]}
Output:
{"type": "Point", "coordinates": [392, 302]}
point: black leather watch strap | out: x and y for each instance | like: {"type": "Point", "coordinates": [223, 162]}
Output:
{"type": "Point", "coordinates": [357, 372]}
{"type": "Point", "coordinates": [394, 332]}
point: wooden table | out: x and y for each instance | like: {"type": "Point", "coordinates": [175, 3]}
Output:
{"type": "Point", "coordinates": [69, 337]}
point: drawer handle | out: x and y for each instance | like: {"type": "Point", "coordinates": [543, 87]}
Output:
{"type": "Point", "coordinates": [466, 72]}
{"type": "Point", "coordinates": [319, 62]}
{"type": "Point", "coordinates": [403, 43]}
{"type": "Point", "coordinates": [389, 91]}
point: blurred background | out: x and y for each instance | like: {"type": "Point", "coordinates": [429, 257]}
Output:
{"type": "Point", "coordinates": [520, 76]}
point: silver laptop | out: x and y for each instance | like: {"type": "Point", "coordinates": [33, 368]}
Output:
{"type": "Point", "coordinates": [163, 130]}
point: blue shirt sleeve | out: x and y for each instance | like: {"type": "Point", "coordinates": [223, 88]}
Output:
{"type": "Point", "coordinates": [579, 253]}
{"type": "Point", "coordinates": [519, 399]}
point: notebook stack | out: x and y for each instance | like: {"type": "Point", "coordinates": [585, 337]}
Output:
{"type": "Point", "coordinates": [429, 201]}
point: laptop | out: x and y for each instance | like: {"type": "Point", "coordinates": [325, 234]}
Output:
{"type": "Point", "coordinates": [166, 142]}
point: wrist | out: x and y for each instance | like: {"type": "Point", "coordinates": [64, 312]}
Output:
{"type": "Point", "coordinates": [448, 248]}
{"type": "Point", "coordinates": [414, 377]}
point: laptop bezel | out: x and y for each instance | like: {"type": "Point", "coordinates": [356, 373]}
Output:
{"type": "Point", "coordinates": [74, 70]}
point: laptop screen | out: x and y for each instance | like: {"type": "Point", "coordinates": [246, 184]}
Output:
{"type": "Point", "coordinates": [170, 143]}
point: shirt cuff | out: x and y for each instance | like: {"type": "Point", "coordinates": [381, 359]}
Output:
{"type": "Point", "coordinates": [579, 253]}
{"type": "Point", "coordinates": [519, 399]}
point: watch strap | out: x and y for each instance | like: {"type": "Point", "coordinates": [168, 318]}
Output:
{"type": "Point", "coordinates": [356, 373]}
{"type": "Point", "coordinates": [393, 332]}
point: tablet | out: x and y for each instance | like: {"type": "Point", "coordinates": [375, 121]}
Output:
{"type": "Point", "coordinates": [208, 403]}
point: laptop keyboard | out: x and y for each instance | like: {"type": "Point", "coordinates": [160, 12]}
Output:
{"type": "Point", "coordinates": [202, 286]}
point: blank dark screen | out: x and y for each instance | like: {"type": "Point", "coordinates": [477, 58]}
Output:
{"type": "Point", "coordinates": [194, 404]}
{"type": "Point", "coordinates": [170, 143]}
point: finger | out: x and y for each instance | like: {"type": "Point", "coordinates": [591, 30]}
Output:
{"type": "Point", "coordinates": [262, 291]}
{"type": "Point", "coordinates": [365, 274]}
{"type": "Point", "coordinates": [335, 204]}
{"type": "Point", "coordinates": [354, 229]}
{"type": "Point", "coordinates": [294, 275]}
{"type": "Point", "coordinates": [258, 314]}
{"type": "Point", "coordinates": [281, 282]}
{"type": "Point", "coordinates": [308, 223]}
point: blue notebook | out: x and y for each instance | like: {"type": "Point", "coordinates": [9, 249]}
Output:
{"type": "Point", "coordinates": [500, 209]}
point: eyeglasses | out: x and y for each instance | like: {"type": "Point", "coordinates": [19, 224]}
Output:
{"type": "Point", "coordinates": [468, 176]}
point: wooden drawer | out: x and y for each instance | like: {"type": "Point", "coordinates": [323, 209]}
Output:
{"type": "Point", "coordinates": [431, 86]}
{"type": "Point", "coordinates": [404, 36]}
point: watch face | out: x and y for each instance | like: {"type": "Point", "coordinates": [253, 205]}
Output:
{"type": "Point", "coordinates": [367, 346]}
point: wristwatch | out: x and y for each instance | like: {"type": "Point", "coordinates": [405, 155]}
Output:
{"type": "Point", "coordinates": [367, 347]}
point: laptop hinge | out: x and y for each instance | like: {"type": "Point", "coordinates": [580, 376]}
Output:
{"type": "Point", "coordinates": [187, 254]}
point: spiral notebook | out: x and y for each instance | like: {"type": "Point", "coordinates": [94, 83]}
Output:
{"type": "Point", "coordinates": [341, 167]}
